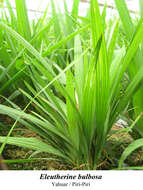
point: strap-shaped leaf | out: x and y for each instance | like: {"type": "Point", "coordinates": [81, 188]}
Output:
{"type": "Point", "coordinates": [27, 45]}
{"type": "Point", "coordinates": [22, 19]}
{"type": "Point", "coordinates": [32, 143]}
{"type": "Point", "coordinates": [133, 146]}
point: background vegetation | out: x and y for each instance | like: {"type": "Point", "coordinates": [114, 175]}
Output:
{"type": "Point", "coordinates": [68, 79]}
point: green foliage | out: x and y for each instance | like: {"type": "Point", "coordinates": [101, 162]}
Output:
{"type": "Point", "coordinates": [136, 63]}
{"type": "Point", "coordinates": [133, 146]}
{"type": "Point", "coordinates": [72, 77]}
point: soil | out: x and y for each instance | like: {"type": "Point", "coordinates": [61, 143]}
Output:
{"type": "Point", "coordinates": [110, 156]}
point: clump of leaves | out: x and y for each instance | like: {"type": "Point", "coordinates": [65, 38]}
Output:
{"type": "Point", "coordinates": [76, 106]}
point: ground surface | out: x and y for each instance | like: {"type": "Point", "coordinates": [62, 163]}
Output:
{"type": "Point", "coordinates": [111, 154]}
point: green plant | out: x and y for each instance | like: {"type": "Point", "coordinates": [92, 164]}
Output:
{"type": "Point", "coordinates": [45, 35]}
{"type": "Point", "coordinates": [77, 104]}
{"type": "Point", "coordinates": [135, 66]}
